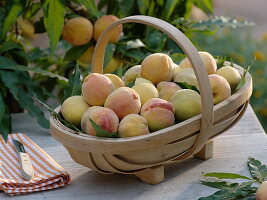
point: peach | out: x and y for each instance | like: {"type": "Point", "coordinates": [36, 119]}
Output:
{"type": "Point", "coordinates": [220, 88]}
{"type": "Point", "coordinates": [116, 81]}
{"type": "Point", "coordinates": [157, 67]}
{"type": "Point", "coordinates": [73, 108]}
{"type": "Point", "coordinates": [112, 66]}
{"type": "Point", "coordinates": [142, 80]}
{"type": "Point", "coordinates": [208, 60]}
{"type": "Point", "coordinates": [27, 29]}
{"type": "Point", "coordinates": [167, 89]}
{"type": "Point", "coordinates": [85, 117]}
{"type": "Point", "coordinates": [96, 88]}
{"type": "Point", "coordinates": [131, 74]}
{"type": "Point", "coordinates": [187, 104]}
{"type": "Point", "coordinates": [86, 57]}
{"type": "Point", "coordinates": [159, 114]}
{"type": "Point", "coordinates": [123, 101]}
{"type": "Point", "coordinates": [231, 75]}
{"type": "Point", "coordinates": [77, 31]}
{"type": "Point", "coordinates": [103, 117]}
{"type": "Point", "coordinates": [133, 125]}
{"type": "Point", "coordinates": [102, 23]}
{"type": "Point", "coordinates": [186, 75]}
{"type": "Point", "coordinates": [261, 193]}
{"type": "Point", "coordinates": [176, 68]}
{"type": "Point", "coordinates": [146, 91]}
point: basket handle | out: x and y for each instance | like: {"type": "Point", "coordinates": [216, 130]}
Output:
{"type": "Point", "coordinates": [189, 49]}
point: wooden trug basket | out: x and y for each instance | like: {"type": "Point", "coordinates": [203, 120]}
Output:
{"type": "Point", "coordinates": [146, 155]}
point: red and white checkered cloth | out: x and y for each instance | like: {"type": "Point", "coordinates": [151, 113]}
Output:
{"type": "Point", "coordinates": [47, 173]}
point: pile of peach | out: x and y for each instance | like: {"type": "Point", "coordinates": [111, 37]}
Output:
{"type": "Point", "coordinates": [153, 103]}
{"type": "Point", "coordinates": [79, 31]}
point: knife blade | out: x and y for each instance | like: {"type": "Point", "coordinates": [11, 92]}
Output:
{"type": "Point", "coordinates": [26, 167]}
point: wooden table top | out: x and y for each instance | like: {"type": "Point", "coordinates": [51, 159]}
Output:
{"type": "Point", "coordinates": [231, 150]}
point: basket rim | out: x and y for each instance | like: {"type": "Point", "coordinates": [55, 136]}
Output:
{"type": "Point", "coordinates": [54, 121]}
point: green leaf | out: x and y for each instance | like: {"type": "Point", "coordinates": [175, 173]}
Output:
{"type": "Point", "coordinates": [155, 40]}
{"type": "Point", "coordinates": [11, 81]}
{"type": "Point", "coordinates": [136, 54]}
{"type": "Point", "coordinates": [26, 102]}
{"type": "Point", "coordinates": [219, 184]}
{"type": "Point", "coordinates": [2, 106]}
{"type": "Point", "coordinates": [59, 116]}
{"type": "Point", "coordinates": [143, 6]}
{"type": "Point", "coordinates": [169, 8]}
{"type": "Point", "coordinates": [19, 56]}
{"type": "Point", "coordinates": [7, 46]}
{"type": "Point", "coordinates": [173, 47]}
{"type": "Point", "coordinates": [185, 85]}
{"type": "Point", "coordinates": [54, 12]}
{"type": "Point", "coordinates": [91, 7]}
{"type": "Point", "coordinates": [103, 133]}
{"type": "Point", "coordinates": [129, 44]}
{"type": "Point", "coordinates": [109, 53]}
{"type": "Point", "coordinates": [177, 57]}
{"type": "Point", "coordinates": [205, 5]}
{"type": "Point", "coordinates": [243, 78]}
{"type": "Point", "coordinates": [76, 52]}
{"type": "Point", "coordinates": [131, 84]}
{"type": "Point", "coordinates": [126, 7]}
{"type": "Point", "coordinates": [257, 169]}
{"type": "Point", "coordinates": [221, 175]}
{"type": "Point", "coordinates": [240, 191]}
{"type": "Point", "coordinates": [74, 85]}
{"type": "Point", "coordinates": [17, 7]}
{"type": "Point", "coordinates": [5, 127]}
{"type": "Point", "coordinates": [6, 63]}
{"type": "Point", "coordinates": [220, 60]}
{"type": "Point", "coordinates": [221, 22]}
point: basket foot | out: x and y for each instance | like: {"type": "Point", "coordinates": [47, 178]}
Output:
{"type": "Point", "coordinates": [206, 152]}
{"type": "Point", "coordinates": [152, 175]}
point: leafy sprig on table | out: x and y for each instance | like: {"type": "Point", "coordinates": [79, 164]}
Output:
{"type": "Point", "coordinates": [232, 190]}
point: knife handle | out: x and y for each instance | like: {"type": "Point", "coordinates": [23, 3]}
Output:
{"type": "Point", "coordinates": [26, 166]}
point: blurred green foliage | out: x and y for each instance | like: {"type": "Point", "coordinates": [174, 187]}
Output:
{"type": "Point", "coordinates": [22, 20]}
{"type": "Point", "coordinates": [240, 46]}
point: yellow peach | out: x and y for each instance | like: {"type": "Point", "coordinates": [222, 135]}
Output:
{"type": "Point", "coordinates": [86, 57]}
{"type": "Point", "coordinates": [133, 125]}
{"type": "Point", "coordinates": [187, 104]}
{"type": "Point", "coordinates": [112, 66]}
{"type": "Point", "coordinates": [142, 80]}
{"type": "Point", "coordinates": [167, 89]}
{"type": "Point", "coordinates": [96, 88]}
{"type": "Point", "coordinates": [159, 114]}
{"type": "Point", "coordinates": [116, 81]}
{"type": "Point", "coordinates": [103, 117]}
{"type": "Point", "coordinates": [146, 91]}
{"type": "Point", "coordinates": [77, 31]}
{"type": "Point", "coordinates": [123, 101]}
{"type": "Point", "coordinates": [131, 74]}
{"type": "Point", "coordinates": [157, 67]}
{"type": "Point", "coordinates": [208, 60]}
{"type": "Point", "coordinates": [231, 75]}
{"type": "Point", "coordinates": [220, 88]}
{"type": "Point", "coordinates": [73, 108]}
{"type": "Point", "coordinates": [102, 23]}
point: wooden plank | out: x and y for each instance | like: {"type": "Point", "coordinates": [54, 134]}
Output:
{"type": "Point", "coordinates": [231, 150]}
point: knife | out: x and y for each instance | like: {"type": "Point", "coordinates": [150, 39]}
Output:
{"type": "Point", "coordinates": [26, 168]}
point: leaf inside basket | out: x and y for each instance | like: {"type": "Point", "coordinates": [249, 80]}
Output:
{"type": "Point", "coordinates": [185, 85]}
{"type": "Point", "coordinates": [103, 133]}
